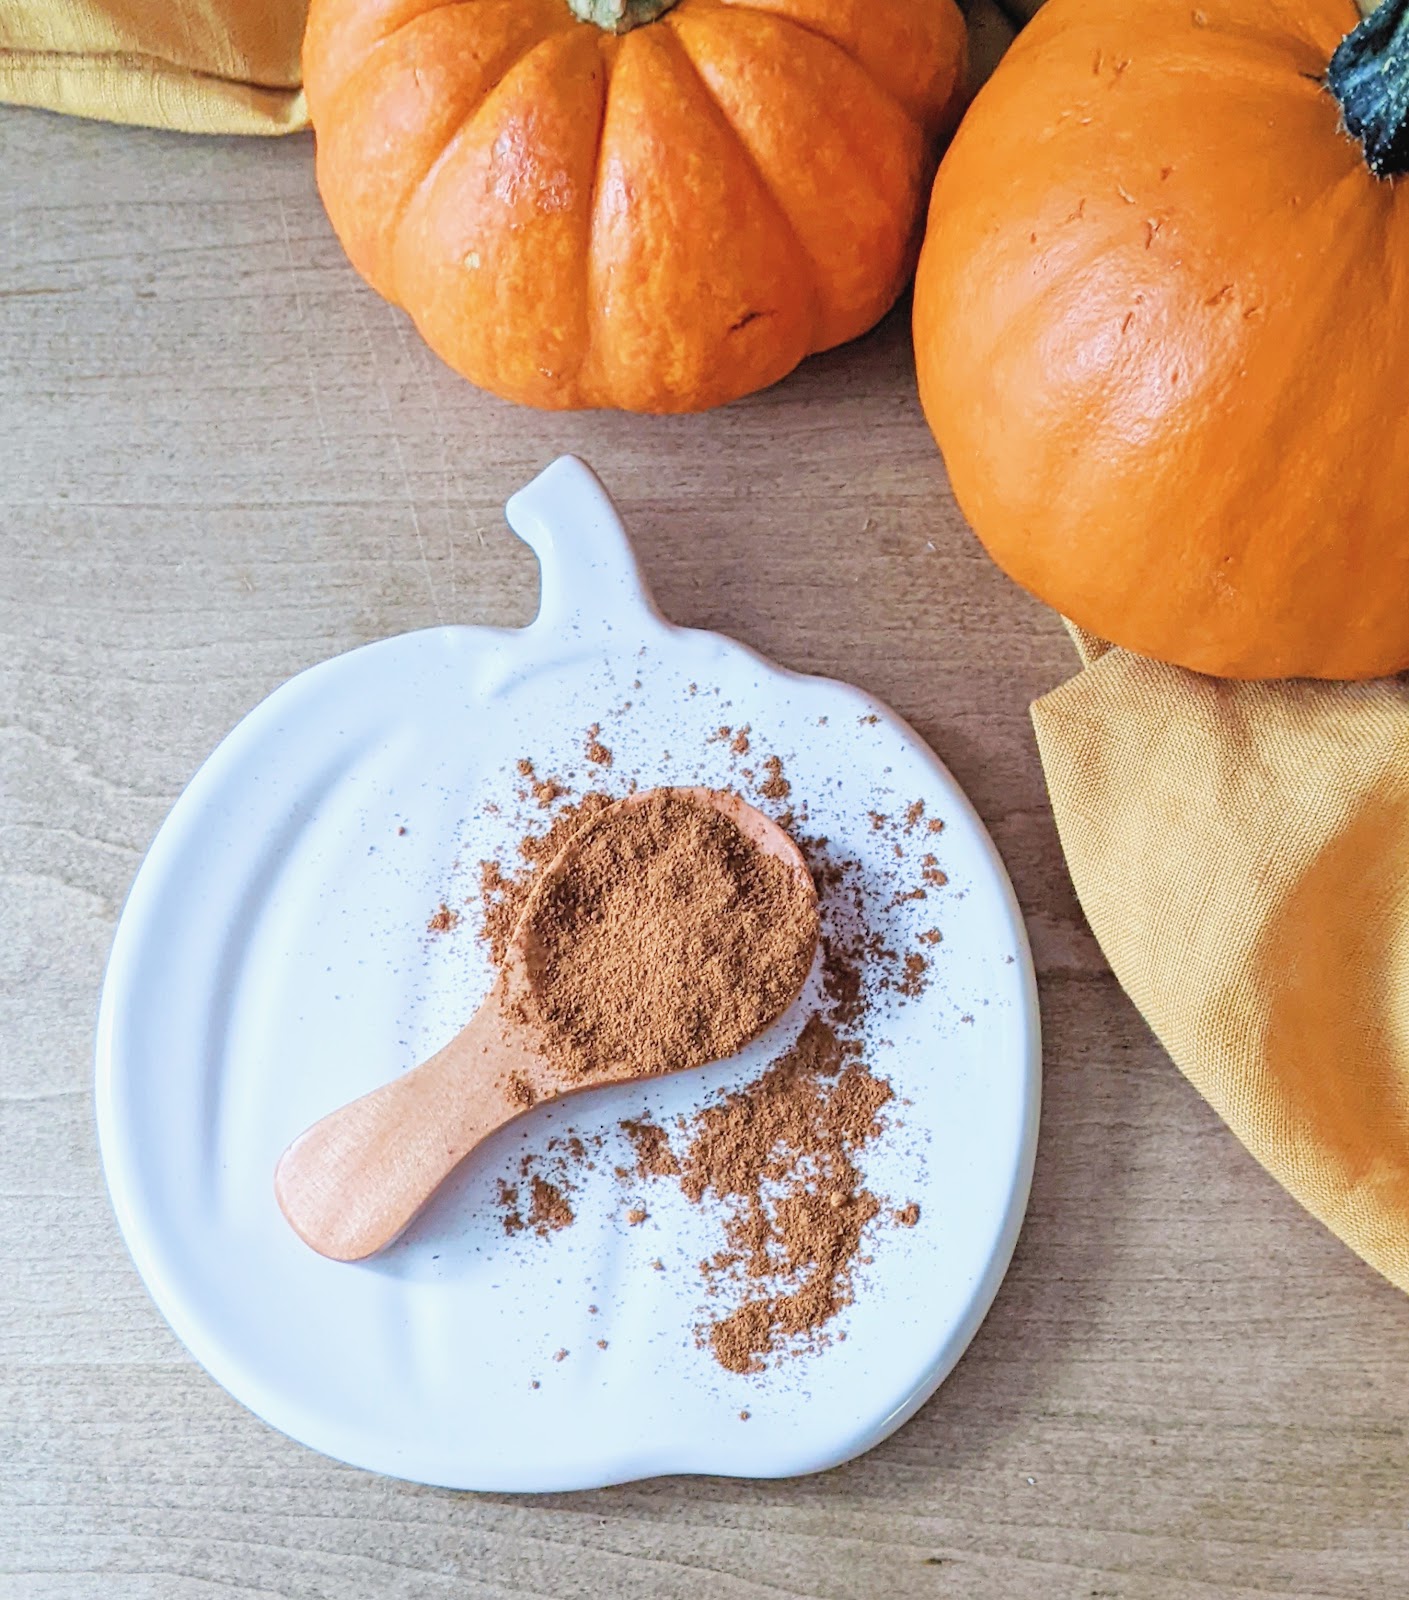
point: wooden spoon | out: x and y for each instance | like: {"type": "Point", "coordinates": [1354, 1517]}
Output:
{"type": "Point", "coordinates": [353, 1181]}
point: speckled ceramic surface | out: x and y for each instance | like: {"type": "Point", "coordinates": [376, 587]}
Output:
{"type": "Point", "coordinates": [273, 961]}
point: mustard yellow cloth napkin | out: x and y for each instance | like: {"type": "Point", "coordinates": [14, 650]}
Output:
{"type": "Point", "coordinates": [1241, 851]}
{"type": "Point", "coordinates": [200, 66]}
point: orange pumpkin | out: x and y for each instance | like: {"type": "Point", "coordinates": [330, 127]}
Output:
{"type": "Point", "coordinates": [1162, 328]}
{"type": "Point", "coordinates": [661, 209]}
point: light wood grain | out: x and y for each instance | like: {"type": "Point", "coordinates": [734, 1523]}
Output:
{"type": "Point", "coordinates": [222, 459]}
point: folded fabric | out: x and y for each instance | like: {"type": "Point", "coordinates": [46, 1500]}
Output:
{"type": "Point", "coordinates": [1241, 851]}
{"type": "Point", "coordinates": [200, 66]}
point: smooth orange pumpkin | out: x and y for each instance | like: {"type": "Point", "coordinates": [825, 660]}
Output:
{"type": "Point", "coordinates": [1162, 328]}
{"type": "Point", "coordinates": [660, 218]}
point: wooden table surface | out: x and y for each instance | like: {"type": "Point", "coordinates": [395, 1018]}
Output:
{"type": "Point", "coordinates": [222, 459]}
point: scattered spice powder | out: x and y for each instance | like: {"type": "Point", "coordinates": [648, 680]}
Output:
{"type": "Point", "coordinates": [774, 786]}
{"type": "Point", "coordinates": [817, 1103]}
{"type": "Point", "coordinates": [520, 1091]}
{"type": "Point", "coordinates": [443, 920]}
{"type": "Point", "coordinates": [841, 983]}
{"type": "Point", "coordinates": [654, 1157]}
{"type": "Point", "coordinates": [595, 751]}
{"type": "Point", "coordinates": [550, 1209]}
{"type": "Point", "coordinates": [906, 895]}
{"type": "Point", "coordinates": [560, 1355]}
{"type": "Point", "coordinates": [546, 792]}
{"type": "Point", "coordinates": [509, 1205]}
{"type": "Point", "coordinates": [916, 979]}
{"type": "Point", "coordinates": [778, 1157]}
{"type": "Point", "coordinates": [672, 941]}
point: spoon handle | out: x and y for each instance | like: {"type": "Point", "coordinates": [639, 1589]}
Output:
{"type": "Point", "coordinates": [353, 1181]}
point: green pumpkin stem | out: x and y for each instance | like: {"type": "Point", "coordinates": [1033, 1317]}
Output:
{"type": "Point", "coordinates": [1369, 76]}
{"type": "Point", "coordinates": [619, 16]}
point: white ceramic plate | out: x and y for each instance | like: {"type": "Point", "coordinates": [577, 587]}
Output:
{"type": "Point", "coordinates": [272, 962]}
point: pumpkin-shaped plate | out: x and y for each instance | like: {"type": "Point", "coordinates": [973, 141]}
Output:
{"type": "Point", "coordinates": [273, 961]}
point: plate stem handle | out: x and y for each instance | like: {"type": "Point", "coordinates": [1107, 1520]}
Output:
{"type": "Point", "coordinates": [590, 581]}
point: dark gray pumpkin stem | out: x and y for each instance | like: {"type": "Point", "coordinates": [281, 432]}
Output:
{"type": "Point", "coordinates": [1369, 76]}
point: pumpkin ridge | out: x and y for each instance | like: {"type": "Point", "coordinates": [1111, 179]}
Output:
{"type": "Point", "coordinates": [743, 52]}
{"type": "Point", "coordinates": [1255, 55]}
{"type": "Point", "coordinates": [410, 22]}
{"type": "Point", "coordinates": [438, 161]}
{"type": "Point", "coordinates": [374, 50]}
{"type": "Point", "coordinates": [915, 113]}
{"type": "Point", "coordinates": [1251, 543]}
{"type": "Point", "coordinates": [394, 65]}
{"type": "Point", "coordinates": [609, 47]}
{"type": "Point", "coordinates": [818, 33]}
{"type": "Point", "coordinates": [764, 183]}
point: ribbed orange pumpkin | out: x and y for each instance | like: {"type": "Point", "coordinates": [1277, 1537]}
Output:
{"type": "Point", "coordinates": [660, 218]}
{"type": "Point", "coordinates": [1162, 328]}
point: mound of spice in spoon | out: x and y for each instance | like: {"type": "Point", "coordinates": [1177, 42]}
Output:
{"type": "Point", "coordinates": [673, 940]}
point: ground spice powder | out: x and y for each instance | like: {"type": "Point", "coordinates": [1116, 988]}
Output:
{"type": "Point", "coordinates": [654, 1157]}
{"type": "Point", "coordinates": [774, 786]}
{"type": "Point", "coordinates": [777, 1160]}
{"type": "Point", "coordinates": [548, 1208]}
{"type": "Point", "coordinates": [672, 941]}
{"type": "Point", "coordinates": [811, 1104]}
{"type": "Point", "coordinates": [502, 895]}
